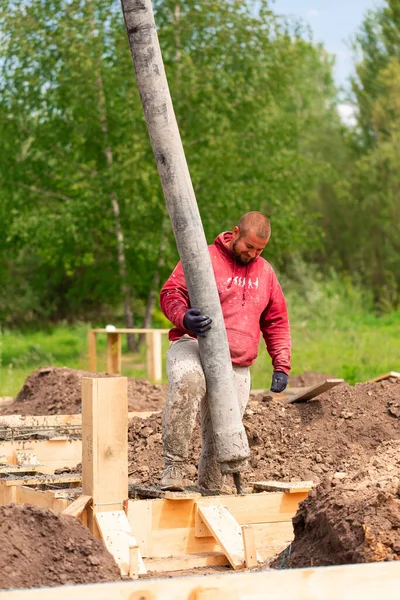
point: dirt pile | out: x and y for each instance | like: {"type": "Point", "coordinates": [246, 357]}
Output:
{"type": "Point", "coordinates": [354, 520]}
{"type": "Point", "coordinates": [57, 390]}
{"type": "Point", "coordinates": [40, 548]}
{"type": "Point", "coordinates": [337, 432]}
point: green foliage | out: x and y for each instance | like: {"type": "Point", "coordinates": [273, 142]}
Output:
{"type": "Point", "coordinates": [249, 93]}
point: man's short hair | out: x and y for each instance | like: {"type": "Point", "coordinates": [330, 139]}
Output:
{"type": "Point", "coordinates": [256, 222]}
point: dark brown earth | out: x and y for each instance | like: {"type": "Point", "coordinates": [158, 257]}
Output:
{"type": "Point", "coordinates": [57, 390]}
{"type": "Point", "coordinates": [339, 431]}
{"type": "Point", "coordinates": [39, 548]}
{"type": "Point", "coordinates": [353, 520]}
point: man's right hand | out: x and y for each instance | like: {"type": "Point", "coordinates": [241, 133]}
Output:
{"type": "Point", "coordinates": [197, 323]}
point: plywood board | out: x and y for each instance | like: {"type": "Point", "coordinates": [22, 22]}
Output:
{"type": "Point", "coordinates": [291, 487]}
{"type": "Point", "coordinates": [118, 538]}
{"type": "Point", "coordinates": [315, 390]}
{"type": "Point", "coordinates": [346, 582]}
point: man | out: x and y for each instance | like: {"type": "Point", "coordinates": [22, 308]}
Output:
{"type": "Point", "coordinates": [252, 302]}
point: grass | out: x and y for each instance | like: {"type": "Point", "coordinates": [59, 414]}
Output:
{"type": "Point", "coordinates": [334, 331]}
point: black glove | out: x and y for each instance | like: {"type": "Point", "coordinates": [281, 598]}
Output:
{"type": "Point", "coordinates": [197, 323]}
{"type": "Point", "coordinates": [279, 381]}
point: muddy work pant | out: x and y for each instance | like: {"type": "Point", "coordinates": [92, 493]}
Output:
{"type": "Point", "coordinates": [186, 395]}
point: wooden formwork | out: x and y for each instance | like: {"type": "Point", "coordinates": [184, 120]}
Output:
{"type": "Point", "coordinates": [179, 532]}
{"type": "Point", "coordinates": [350, 582]}
{"type": "Point", "coordinates": [45, 443]}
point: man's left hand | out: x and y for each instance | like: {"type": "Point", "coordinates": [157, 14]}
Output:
{"type": "Point", "coordinates": [279, 381]}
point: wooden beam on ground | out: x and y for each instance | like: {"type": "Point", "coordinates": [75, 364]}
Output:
{"type": "Point", "coordinates": [118, 538]}
{"type": "Point", "coordinates": [391, 374]}
{"type": "Point", "coordinates": [104, 444]}
{"type": "Point", "coordinates": [347, 582]}
{"type": "Point", "coordinates": [76, 508]}
{"type": "Point", "coordinates": [290, 487]}
{"type": "Point", "coordinates": [315, 390]}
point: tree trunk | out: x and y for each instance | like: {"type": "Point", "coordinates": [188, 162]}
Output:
{"type": "Point", "coordinates": [231, 443]}
{"type": "Point", "coordinates": [125, 289]}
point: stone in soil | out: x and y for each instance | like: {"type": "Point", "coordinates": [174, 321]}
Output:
{"type": "Point", "coordinates": [352, 520]}
{"type": "Point", "coordinates": [40, 548]}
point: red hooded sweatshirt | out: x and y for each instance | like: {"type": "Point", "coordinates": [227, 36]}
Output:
{"type": "Point", "coordinates": [251, 299]}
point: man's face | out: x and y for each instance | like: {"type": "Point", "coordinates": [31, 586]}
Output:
{"type": "Point", "coordinates": [247, 247]}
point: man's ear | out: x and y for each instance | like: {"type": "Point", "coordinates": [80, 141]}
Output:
{"type": "Point", "coordinates": [236, 231]}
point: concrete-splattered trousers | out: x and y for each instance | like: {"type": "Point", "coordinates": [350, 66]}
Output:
{"type": "Point", "coordinates": [186, 394]}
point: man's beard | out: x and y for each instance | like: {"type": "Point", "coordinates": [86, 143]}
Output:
{"type": "Point", "coordinates": [238, 256]}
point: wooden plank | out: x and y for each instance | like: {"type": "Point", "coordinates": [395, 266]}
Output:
{"type": "Point", "coordinates": [167, 564]}
{"type": "Point", "coordinates": [271, 538]}
{"type": "Point", "coordinates": [114, 353]}
{"type": "Point", "coordinates": [40, 480]}
{"type": "Point", "coordinates": [139, 515]}
{"type": "Point", "coordinates": [226, 531]}
{"type": "Point", "coordinates": [249, 543]}
{"type": "Point", "coordinates": [290, 487]}
{"type": "Point", "coordinates": [154, 356]}
{"type": "Point", "coordinates": [346, 582]}
{"type": "Point", "coordinates": [253, 508]}
{"type": "Point", "coordinates": [76, 508]}
{"type": "Point", "coordinates": [27, 495]}
{"type": "Point", "coordinates": [104, 444]}
{"type": "Point", "coordinates": [57, 421]}
{"type": "Point", "coordinates": [118, 538]}
{"type": "Point", "coordinates": [92, 351]}
{"type": "Point", "coordinates": [52, 454]}
{"type": "Point", "coordinates": [142, 491]}
{"type": "Point", "coordinates": [315, 390]}
{"type": "Point", "coordinates": [125, 330]}
{"type": "Point", "coordinates": [389, 375]}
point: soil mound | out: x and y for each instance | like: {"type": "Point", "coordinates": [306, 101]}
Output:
{"type": "Point", "coordinates": [355, 520]}
{"type": "Point", "coordinates": [57, 390]}
{"type": "Point", "coordinates": [40, 548]}
{"type": "Point", "coordinates": [337, 432]}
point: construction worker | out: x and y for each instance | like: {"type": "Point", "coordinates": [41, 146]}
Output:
{"type": "Point", "coordinates": [252, 302]}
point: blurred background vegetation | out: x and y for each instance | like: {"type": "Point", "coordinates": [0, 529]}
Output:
{"type": "Point", "coordinates": [85, 238]}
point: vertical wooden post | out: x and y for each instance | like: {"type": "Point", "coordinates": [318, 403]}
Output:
{"type": "Point", "coordinates": [92, 351]}
{"type": "Point", "coordinates": [114, 353]}
{"type": "Point", "coordinates": [154, 356]}
{"type": "Point", "coordinates": [104, 444]}
{"type": "Point", "coordinates": [249, 543]}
